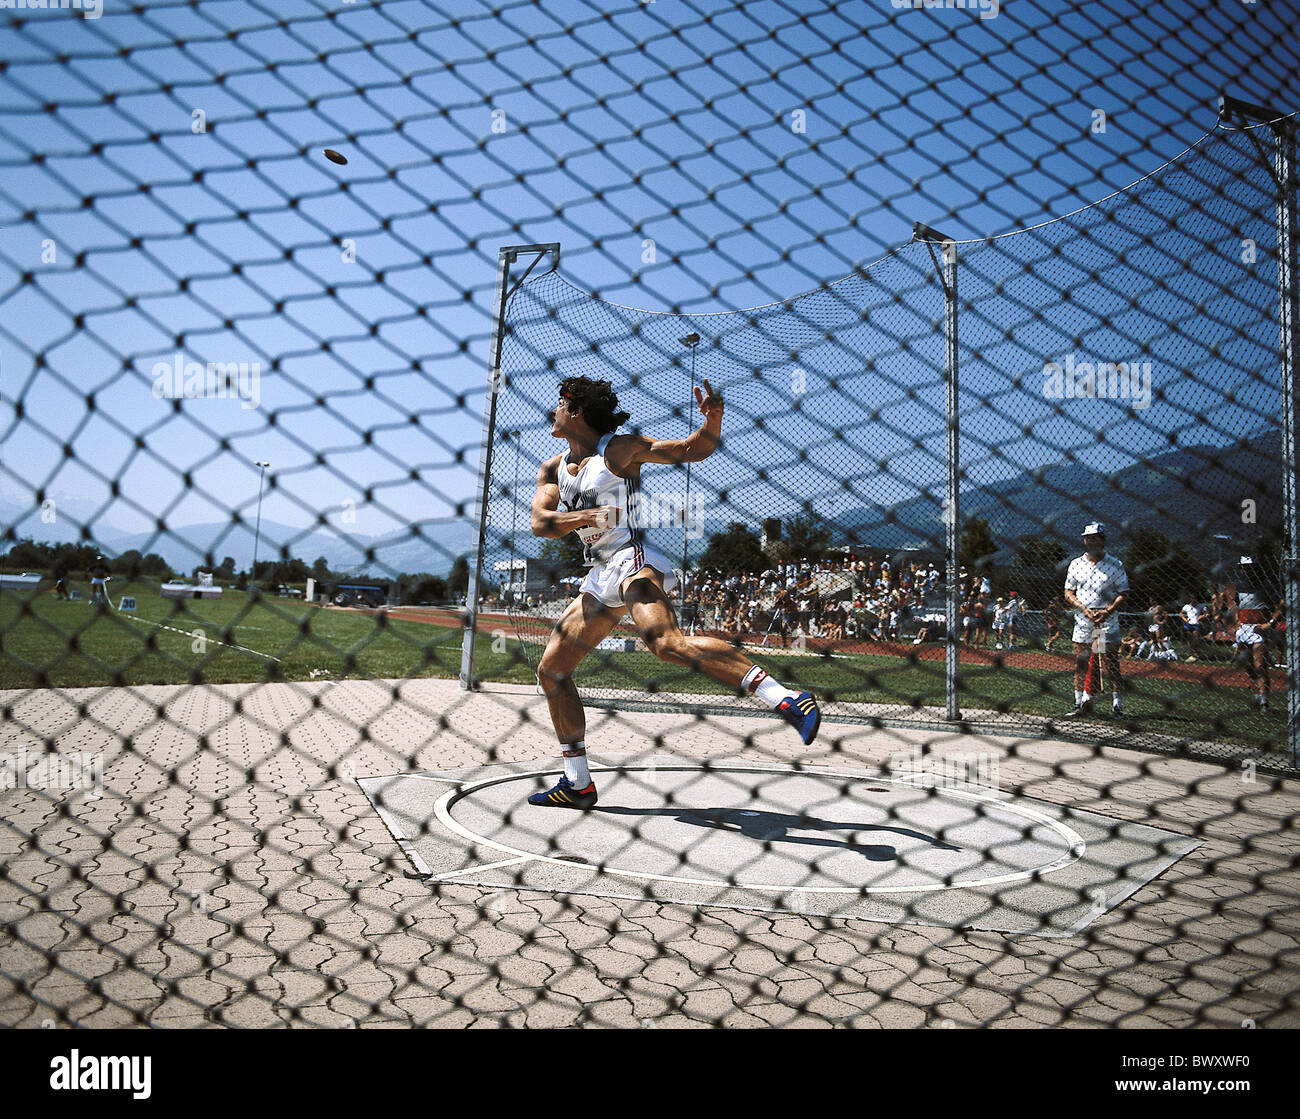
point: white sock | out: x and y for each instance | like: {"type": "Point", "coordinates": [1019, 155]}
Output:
{"type": "Point", "coordinates": [1078, 697]}
{"type": "Point", "coordinates": [758, 683]}
{"type": "Point", "coordinates": [575, 764]}
{"type": "Point", "coordinates": [1117, 700]}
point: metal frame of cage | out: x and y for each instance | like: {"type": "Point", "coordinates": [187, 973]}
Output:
{"type": "Point", "coordinates": [1283, 168]}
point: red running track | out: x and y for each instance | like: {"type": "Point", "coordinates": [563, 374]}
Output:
{"type": "Point", "coordinates": [1215, 675]}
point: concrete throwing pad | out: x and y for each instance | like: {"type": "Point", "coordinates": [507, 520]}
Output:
{"type": "Point", "coordinates": [821, 841]}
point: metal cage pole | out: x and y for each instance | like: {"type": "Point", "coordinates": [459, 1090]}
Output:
{"type": "Point", "coordinates": [1289, 306]}
{"type": "Point", "coordinates": [507, 255]}
{"type": "Point", "coordinates": [952, 499]}
{"type": "Point", "coordinates": [1283, 131]}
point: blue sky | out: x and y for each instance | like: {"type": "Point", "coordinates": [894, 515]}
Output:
{"type": "Point", "coordinates": [129, 237]}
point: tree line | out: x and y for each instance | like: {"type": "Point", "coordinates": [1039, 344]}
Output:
{"type": "Point", "coordinates": [67, 559]}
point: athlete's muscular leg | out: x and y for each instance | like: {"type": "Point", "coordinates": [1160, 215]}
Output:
{"type": "Point", "coordinates": [583, 626]}
{"type": "Point", "coordinates": [653, 614]}
{"type": "Point", "coordinates": [1110, 661]}
{"type": "Point", "coordinates": [1082, 654]}
{"type": "Point", "coordinates": [1259, 659]}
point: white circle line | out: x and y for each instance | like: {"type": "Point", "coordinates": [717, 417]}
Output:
{"type": "Point", "coordinates": [1075, 842]}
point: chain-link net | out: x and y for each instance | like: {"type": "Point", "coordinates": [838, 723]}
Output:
{"type": "Point", "coordinates": [1118, 365]}
{"type": "Point", "coordinates": [264, 763]}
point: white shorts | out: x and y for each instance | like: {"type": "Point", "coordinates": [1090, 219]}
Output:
{"type": "Point", "coordinates": [1086, 632]}
{"type": "Point", "coordinates": [605, 580]}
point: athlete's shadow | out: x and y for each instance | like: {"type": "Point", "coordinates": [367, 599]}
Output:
{"type": "Point", "coordinates": [775, 827]}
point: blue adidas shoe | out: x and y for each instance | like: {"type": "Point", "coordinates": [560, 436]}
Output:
{"type": "Point", "coordinates": [564, 795]}
{"type": "Point", "coordinates": [802, 713]}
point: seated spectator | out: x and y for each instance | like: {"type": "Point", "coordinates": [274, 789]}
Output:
{"type": "Point", "coordinates": [1130, 644]}
{"type": "Point", "coordinates": [1157, 646]}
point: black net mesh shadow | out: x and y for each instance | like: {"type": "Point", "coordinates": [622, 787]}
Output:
{"type": "Point", "coordinates": [242, 778]}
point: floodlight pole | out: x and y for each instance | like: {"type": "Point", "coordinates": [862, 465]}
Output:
{"type": "Point", "coordinates": [507, 255]}
{"type": "Point", "coordinates": [257, 535]}
{"type": "Point", "coordinates": [1283, 130]}
{"type": "Point", "coordinates": [951, 515]}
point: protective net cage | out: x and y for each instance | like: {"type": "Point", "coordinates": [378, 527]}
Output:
{"type": "Point", "coordinates": [287, 295]}
{"type": "Point", "coordinates": [1117, 365]}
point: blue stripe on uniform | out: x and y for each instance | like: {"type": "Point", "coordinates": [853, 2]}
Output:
{"type": "Point", "coordinates": [633, 500]}
{"type": "Point", "coordinates": [634, 530]}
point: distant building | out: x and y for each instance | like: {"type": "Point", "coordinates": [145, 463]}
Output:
{"type": "Point", "coordinates": [202, 588]}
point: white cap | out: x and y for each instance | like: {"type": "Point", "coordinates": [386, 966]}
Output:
{"type": "Point", "coordinates": [1094, 528]}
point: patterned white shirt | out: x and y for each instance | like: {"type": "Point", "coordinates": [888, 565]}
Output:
{"type": "Point", "coordinates": [1096, 585]}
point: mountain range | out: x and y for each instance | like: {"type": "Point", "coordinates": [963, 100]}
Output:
{"type": "Point", "coordinates": [1190, 494]}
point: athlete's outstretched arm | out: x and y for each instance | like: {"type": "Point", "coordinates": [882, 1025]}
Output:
{"type": "Point", "coordinates": [628, 452]}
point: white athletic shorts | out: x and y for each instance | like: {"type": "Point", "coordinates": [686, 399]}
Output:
{"type": "Point", "coordinates": [605, 580]}
{"type": "Point", "coordinates": [1085, 632]}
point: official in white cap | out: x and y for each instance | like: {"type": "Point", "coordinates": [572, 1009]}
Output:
{"type": "Point", "coordinates": [1095, 586]}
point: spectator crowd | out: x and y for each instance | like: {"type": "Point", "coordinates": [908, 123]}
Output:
{"type": "Point", "coordinates": [855, 599]}
{"type": "Point", "coordinates": [871, 599]}
{"type": "Point", "coordinates": [1162, 631]}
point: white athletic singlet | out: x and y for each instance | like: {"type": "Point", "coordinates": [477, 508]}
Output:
{"type": "Point", "coordinates": [595, 485]}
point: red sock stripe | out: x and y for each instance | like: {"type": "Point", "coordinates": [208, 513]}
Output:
{"type": "Point", "coordinates": [572, 753]}
{"type": "Point", "coordinates": [754, 683]}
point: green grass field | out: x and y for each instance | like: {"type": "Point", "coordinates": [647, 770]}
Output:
{"type": "Point", "coordinates": [47, 643]}
{"type": "Point", "coordinates": [1170, 707]}
{"type": "Point", "coordinates": [72, 644]}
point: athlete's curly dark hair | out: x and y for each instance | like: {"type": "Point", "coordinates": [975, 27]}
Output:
{"type": "Point", "coordinates": [597, 400]}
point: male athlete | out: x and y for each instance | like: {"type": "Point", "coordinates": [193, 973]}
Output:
{"type": "Point", "coordinates": [593, 489]}
{"type": "Point", "coordinates": [1095, 586]}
